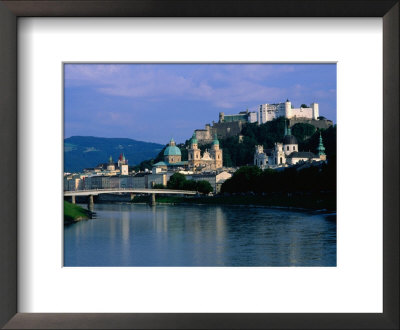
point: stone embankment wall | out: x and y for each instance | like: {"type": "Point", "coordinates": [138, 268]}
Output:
{"type": "Point", "coordinates": [322, 124]}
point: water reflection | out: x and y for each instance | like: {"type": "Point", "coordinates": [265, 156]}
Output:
{"type": "Point", "coordinates": [166, 235]}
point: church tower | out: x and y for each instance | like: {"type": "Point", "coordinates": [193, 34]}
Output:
{"type": "Point", "coordinates": [216, 153]}
{"type": "Point", "coordinates": [290, 143]}
{"type": "Point", "coordinates": [321, 148]}
{"type": "Point", "coordinates": [111, 165]}
{"type": "Point", "coordinates": [193, 153]}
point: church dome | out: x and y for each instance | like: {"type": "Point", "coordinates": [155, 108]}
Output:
{"type": "Point", "coordinates": [290, 139]}
{"type": "Point", "coordinates": [172, 149]}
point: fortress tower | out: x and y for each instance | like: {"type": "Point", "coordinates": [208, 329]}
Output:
{"type": "Point", "coordinates": [288, 109]}
{"type": "Point", "coordinates": [315, 110]}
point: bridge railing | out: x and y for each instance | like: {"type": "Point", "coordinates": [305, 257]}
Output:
{"type": "Point", "coordinates": [130, 190]}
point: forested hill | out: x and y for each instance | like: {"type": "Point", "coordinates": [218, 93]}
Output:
{"type": "Point", "coordinates": [239, 154]}
{"type": "Point", "coordinates": [87, 151]}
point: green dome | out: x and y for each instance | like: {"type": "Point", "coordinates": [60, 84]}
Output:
{"type": "Point", "coordinates": [172, 151]}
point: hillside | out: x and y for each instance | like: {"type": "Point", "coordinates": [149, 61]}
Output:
{"type": "Point", "coordinates": [240, 154]}
{"type": "Point", "coordinates": [87, 151]}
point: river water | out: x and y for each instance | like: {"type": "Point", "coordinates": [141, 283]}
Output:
{"type": "Point", "coordinates": [200, 235]}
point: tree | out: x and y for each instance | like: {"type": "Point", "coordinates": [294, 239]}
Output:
{"type": "Point", "coordinates": [303, 131]}
{"type": "Point", "coordinates": [176, 181]}
{"type": "Point", "coordinates": [304, 106]}
{"type": "Point", "coordinates": [190, 185]}
{"type": "Point", "coordinates": [245, 179]}
{"type": "Point", "coordinates": [204, 187]}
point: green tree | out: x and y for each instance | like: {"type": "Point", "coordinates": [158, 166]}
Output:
{"type": "Point", "coordinates": [176, 181]}
{"type": "Point", "coordinates": [245, 179]}
{"type": "Point", "coordinates": [304, 106]}
{"type": "Point", "coordinates": [204, 187]}
{"type": "Point", "coordinates": [303, 131]}
{"type": "Point", "coordinates": [190, 185]}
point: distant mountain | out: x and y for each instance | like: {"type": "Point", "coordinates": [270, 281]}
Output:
{"type": "Point", "coordinates": [87, 151]}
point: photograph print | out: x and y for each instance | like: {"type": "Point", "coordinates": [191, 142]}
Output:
{"type": "Point", "coordinates": [199, 164]}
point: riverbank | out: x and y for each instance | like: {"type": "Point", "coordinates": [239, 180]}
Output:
{"type": "Point", "coordinates": [325, 201]}
{"type": "Point", "coordinates": [74, 213]}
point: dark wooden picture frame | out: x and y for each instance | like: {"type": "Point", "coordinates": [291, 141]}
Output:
{"type": "Point", "coordinates": [10, 10]}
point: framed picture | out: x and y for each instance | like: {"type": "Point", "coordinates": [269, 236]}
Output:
{"type": "Point", "coordinates": [90, 78]}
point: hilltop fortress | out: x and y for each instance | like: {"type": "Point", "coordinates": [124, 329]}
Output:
{"type": "Point", "coordinates": [231, 125]}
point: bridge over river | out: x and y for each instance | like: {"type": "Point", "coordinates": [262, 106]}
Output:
{"type": "Point", "coordinates": [151, 192]}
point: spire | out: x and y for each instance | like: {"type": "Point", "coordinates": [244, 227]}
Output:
{"type": "Point", "coordinates": [321, 148]}
{"type": "Point", "coordinates": [110, 159]}
{"type": "Point", "coordinates": [215, 139]}
{"type": "Point", "coordinates": [123, 156]}
{"type": "Point", "coordinates": [288, 130]}
{"type": "Point", "coordinates": [193, 140]}
{"type": "Point", "coordinates": [172, 142]}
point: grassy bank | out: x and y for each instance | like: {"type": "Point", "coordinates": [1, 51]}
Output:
{"type": "Point", "coordinates": [318, 201]}
{"type": "Point", "coordinates": [74, 213]}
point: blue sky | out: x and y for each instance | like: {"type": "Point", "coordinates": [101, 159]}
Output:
{"type": "Point", "coordinates": [154, 102]}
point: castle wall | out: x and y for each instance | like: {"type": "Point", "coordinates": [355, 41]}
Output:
{"type": "Point", "coordinates": [203, 135]}
{"type": "Point", "coordinates": [301, 112]}
{"type": "Point", "coordinates": [224, 130]}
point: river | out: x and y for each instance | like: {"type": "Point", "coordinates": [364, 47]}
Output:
{"type": "Point", "coordinates": [200, 235]}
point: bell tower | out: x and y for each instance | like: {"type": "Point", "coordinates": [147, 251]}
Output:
{"type": "Point", "coordinates": [216, 152]}
{"type": "Point", "coordinates": [193, 153]}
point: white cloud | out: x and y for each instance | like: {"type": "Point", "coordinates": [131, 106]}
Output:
{"type": "Point", "coordinates": [226, 86]}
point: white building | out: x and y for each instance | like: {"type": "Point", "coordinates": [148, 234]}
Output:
{"type": "Point", "coordinates": [252, 117]}
{"type": "Point", "coordinates": [268, 112]}
{"type": "Point", "coordinates": [286, 153]}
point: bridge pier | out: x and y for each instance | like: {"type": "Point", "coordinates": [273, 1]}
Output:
{"type": "Point", "coordinates": [91, 203]}
{"type": "Point", "coordinates": [73, 201]}
{"type": "Point", "coordinates": [132, 196]}
{"type": "Point", "coordinates": [152, 201]}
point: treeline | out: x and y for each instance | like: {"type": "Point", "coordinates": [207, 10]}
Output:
{"type": "Point", "coordinates": [178, 181]}
{"type": "Point", "coordinates": [252, 179]}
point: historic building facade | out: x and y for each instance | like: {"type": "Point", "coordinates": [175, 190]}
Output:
{"type": "Point", "coordinates": [210, 160]}
{"type": "Point", "coordinates": [286, 153]}
{"type": "Point", "coordinates": [172, 159]}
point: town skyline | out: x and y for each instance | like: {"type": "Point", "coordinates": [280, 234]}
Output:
{"type": "Point", "coordinates": [157, 102]}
